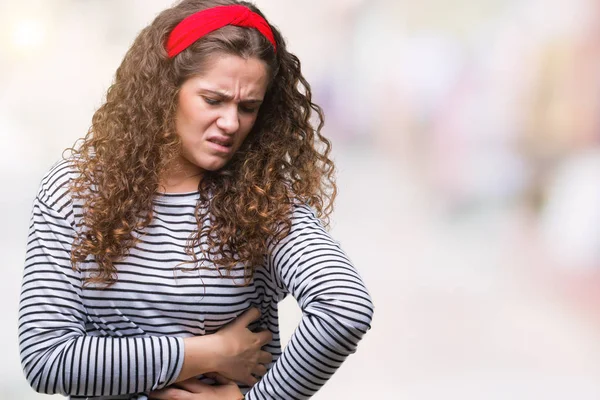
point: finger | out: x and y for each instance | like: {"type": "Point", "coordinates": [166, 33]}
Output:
{"type": "Point", "coordinates": [264, 357]}
{"type": "Point", "coordinates": [248, 316]}
{"type": "Point", "coordinates": [193, 385]}
{"type": "Point", "coordinates": [250, 380]}
{"type": "Point", "coordinates": [259, 370]}
{"type": "Point", "coordinates": [264, 337]}
{"type": "Point", "coordinates": [221, 380]}
{"type": "Point", "coordinates": [170, 394]}
{"type": "Point", "coordinates": [211, 375]}
{"type": "Point", "coordinates": [229, 391]}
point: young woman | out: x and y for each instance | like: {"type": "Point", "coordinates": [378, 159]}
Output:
{"type": "Point", "coordinates": [159, 250]}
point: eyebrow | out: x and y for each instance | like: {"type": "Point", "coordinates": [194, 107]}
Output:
{"type": "Point", "coordinates": [228, 97]}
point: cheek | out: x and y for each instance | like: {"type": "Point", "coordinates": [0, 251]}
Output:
{"type": "Point", "coordinates": [191, 116]}
{"type": "Point", "coordinates": [189, 128]}
{"type": "Point", "coordinates": [247, 124]}
{"type": "Point", "coordinates": [181, 123]}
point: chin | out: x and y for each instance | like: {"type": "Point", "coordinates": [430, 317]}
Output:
{"type": "Point", "coordinates": [213, 166]}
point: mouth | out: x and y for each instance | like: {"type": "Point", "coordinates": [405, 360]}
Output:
{"type": "Point", "coordinates": [221, 142]}
{"type": "Point", "coordinates": [221, 145]}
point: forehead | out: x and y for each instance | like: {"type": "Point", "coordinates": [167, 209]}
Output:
{"type": "Point", "coordinates": [233, 75]}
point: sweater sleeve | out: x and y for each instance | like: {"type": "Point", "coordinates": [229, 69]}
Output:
{"type": "Point", "coordinates": [56, 354]}
{"type": "Point", "coordinates": [336, 309]}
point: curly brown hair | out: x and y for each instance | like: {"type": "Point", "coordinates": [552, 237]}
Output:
{"type": "Point", "coordinates": [132, 141]}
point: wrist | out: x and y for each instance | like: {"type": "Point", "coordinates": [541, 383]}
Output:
{"type": "Point", "coordinates": [200, 356]}
{"type": "Point", "coordinates": [214, 342]}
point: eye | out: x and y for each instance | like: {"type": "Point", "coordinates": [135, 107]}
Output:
{"type": "Point", "coordinates": [212, 102]}
{"type": "Point", "coordinates": [248, 110]}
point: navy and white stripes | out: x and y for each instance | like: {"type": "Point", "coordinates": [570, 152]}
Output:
{"type": "Point", "coordinates": [126, 340]}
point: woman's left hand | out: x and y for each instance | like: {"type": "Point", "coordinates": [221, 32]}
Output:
{"type": "Point", "coordinates": [193, 389]}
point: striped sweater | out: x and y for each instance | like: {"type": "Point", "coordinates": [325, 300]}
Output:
{"type": "Point", "coordinates": [126, 340]}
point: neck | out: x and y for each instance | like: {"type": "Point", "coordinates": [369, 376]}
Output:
{"type": "Point", "coordinates": [180, 179]}
{"type": "Point", "coordinates": [180, 185]}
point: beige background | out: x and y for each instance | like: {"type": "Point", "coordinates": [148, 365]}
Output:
{"type": "Point", "coordinates": [466, 135]}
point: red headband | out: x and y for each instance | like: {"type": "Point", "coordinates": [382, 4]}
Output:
{"type": "Point", "coordinates": [204, 22]}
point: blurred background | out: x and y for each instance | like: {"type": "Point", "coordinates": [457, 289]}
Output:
{"type": "Point", "coordinates": [467, 137]}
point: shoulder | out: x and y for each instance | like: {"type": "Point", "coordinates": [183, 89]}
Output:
{"type": "Point", "coordinates": [302, 215]}
{"type": "Point", "coordinates": [300, 209]}
{"type": "Point", "coordinates": [55, 185]}
{"type": "Point", "coordinates": [304, 225]}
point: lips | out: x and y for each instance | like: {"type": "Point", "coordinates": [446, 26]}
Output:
{"type": "Point", "coordinates": [221, 141]}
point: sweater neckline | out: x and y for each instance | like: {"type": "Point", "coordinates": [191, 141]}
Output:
{"type": "Point", "coordinates": [177, 198]}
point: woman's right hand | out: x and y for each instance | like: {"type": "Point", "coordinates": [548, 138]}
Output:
{"type": "Point", "coordinates": [193, 389]}
{"type": "Point", "coordinates": [239, 349]}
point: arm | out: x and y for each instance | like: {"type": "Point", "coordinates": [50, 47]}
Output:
{"type": "Point", "coordinates": [336, 307]}
{"type": "Point", "coordinates": [58, 356]}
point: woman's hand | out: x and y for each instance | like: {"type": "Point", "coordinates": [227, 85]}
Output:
{"type": "Point", "coordinates": [239, 349]}
{"type": "Point", "coordinates": [193, 389]}
{"type": "Point", "coordinates": [234, 352]}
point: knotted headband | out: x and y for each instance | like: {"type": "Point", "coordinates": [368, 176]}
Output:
{"type": "Point", "coordinates": [206, 21]}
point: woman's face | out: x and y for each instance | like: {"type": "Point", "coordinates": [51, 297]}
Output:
{"type": "Point", "coordinates": [217, 109]}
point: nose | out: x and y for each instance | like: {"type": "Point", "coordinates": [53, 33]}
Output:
{"type": "Point", "coordinates": [229, 121]}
